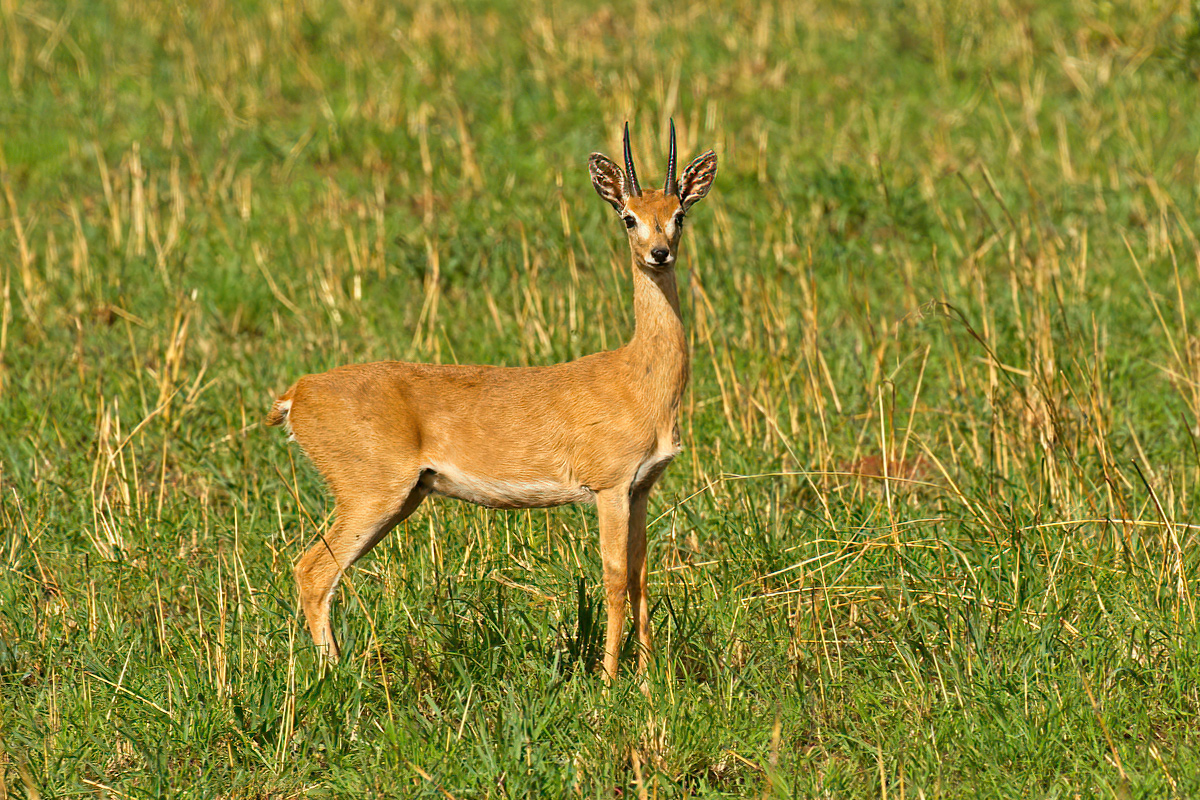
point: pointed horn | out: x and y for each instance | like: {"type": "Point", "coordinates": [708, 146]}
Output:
{"type": "Point", "coordinates": [670, 187]}
{"type": "Point", "coordinates": [634, 189]}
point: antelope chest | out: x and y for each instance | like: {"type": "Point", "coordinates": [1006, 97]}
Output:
{"type": "Point", "coordinates": [651, 468]}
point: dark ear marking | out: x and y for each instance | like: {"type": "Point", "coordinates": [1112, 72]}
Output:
{"type": "Point", "coordinates": [608, 179]}
{"type": "Point", "coordinates": [697, 179]}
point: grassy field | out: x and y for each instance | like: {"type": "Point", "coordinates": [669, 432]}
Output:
{"type": "Point", "coordinates": [933, 532]}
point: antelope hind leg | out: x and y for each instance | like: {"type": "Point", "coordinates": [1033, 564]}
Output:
{"type": "Point", "coordinates": [357, 528]}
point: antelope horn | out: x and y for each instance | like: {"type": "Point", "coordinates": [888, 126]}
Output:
{"type": "Point", "coordinates": [670, 187]}
{"type": "Point", "coordinates": [634, 189]}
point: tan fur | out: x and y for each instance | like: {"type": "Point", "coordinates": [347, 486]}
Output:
{"type": "Point", "coordinates": [602, 428]}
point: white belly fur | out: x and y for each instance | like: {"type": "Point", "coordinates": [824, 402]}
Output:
{"type": "Point", "coordinates": [486, 490]}
{"type": "Point", "coordinates": [504, 493]}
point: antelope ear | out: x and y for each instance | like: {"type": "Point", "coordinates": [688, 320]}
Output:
{"type": "Point", "coordinates": [697, 179]}
{"type": "Point", "coordinates": [608, 179]}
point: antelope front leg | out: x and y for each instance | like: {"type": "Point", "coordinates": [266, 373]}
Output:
{"type": "Point", "coordinates": [612, 509]}
{"type": "Point", "coordinates": [636, 572]}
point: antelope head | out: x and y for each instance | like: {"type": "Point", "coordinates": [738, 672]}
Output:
{"type": "Point", "coordinates": [654, 218]}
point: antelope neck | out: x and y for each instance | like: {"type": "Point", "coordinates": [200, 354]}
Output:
{"type": "Point", "coordinates": [659, 338]}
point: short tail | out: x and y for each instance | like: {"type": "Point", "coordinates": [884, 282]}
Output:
{"type": "Point", "coordinates": [278, 415]}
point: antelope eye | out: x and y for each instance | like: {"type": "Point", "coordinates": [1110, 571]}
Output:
{"type": "Point", "coordinates": [629, 221]}
{"type": "Point", "coordinates": [679, 220]}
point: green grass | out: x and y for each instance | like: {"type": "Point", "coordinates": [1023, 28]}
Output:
{"type": "Point", "coordinates": [954, 244]}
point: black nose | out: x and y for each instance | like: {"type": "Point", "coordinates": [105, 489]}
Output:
{"type": "Point", "coordinates": [660, 254]}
